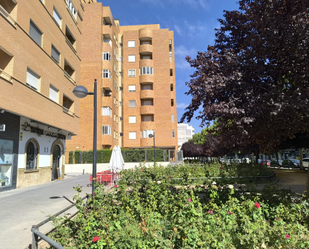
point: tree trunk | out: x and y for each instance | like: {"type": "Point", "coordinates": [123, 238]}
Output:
{"type": "Point", "coordinates": [301, 159]}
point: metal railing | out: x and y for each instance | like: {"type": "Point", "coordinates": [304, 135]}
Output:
{"type": "Point", "coordinates": [37, 236]}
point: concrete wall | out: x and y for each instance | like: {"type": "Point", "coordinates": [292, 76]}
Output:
{"type": "Point", "coordinates": [87, 168]}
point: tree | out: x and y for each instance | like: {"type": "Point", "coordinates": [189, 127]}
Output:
{"type": "Point", "coordinates": [254, 80]}
{"type": "Point", "coordinates": [192, 150]}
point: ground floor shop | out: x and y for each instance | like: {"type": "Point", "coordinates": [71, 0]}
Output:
{"type": "Point", "coordinates": [31, 152]}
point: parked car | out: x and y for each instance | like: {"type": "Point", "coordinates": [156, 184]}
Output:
{"type": "Point", "coordinates": [265, 162]}
{"type": "Point", "coordinates": [291, 163]}
{"type": "Point", "coordinates": [274, 163]}
{"type": "Point", "coordinates": [306, 162]}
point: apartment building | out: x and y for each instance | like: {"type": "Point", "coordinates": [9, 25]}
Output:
{"type": "Point", "coordinates": [40, 55]}
{"type": "Point", "coordinates": [185, 132]}
{"type": "Point", "coordinates": [135, 71]}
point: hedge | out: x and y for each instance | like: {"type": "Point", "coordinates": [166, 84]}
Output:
{"type": "Point", "coordinates": [129, 155]}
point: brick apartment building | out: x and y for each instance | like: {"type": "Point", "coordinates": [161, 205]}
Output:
{"type": "Point", "coordinates": [40, 55]}
{"type": "Point", "coordinates": [135, 70]}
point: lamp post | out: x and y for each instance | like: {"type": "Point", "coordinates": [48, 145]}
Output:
{"type": "Point", "coordinates": [82, 92]}
{"type": "Point", "coordinates": [154, 146]}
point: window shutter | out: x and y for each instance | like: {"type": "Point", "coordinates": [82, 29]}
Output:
{"type": "Point", "coordinates": [33, 79]}
{"type": "Point", "coordinates": [35, 33]}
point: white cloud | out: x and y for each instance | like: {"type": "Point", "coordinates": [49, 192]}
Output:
{"type": "Point", "coordinates": [177, 29]}
{"type": "Point", "coordinates": [181, 52]}
{"type": "Point", "coordinates": [182, 105]}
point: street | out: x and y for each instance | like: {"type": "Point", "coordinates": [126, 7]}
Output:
{"type": "Point", "coordinates": [22, 208]}
{"type": "Point", "coordinates": [293, 179]}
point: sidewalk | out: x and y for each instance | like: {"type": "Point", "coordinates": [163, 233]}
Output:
{"type": "Point", "coordinates": [22, 208]}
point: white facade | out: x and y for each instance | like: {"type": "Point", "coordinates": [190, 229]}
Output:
{"type": "Point", "coordinates": [185, 132]}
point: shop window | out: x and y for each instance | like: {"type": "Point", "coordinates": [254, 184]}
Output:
{"type": "Point", "coordinates": [32, 152]}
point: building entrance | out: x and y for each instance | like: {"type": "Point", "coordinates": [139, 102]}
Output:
{"type": "Point", "coordinates": [56, 160]}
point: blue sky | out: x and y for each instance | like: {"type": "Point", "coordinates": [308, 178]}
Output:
{"type": "Point", "coordinates": [193, 23]}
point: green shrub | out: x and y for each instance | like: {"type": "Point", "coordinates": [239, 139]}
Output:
{"type": "Point", "coordinates": [77, 156]}
{"type": "Point", "coordinates": [71, 157]}
{"type": "Point", "coordinates": [156, 214]}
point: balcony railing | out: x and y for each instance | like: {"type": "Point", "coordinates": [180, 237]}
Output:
{"type": "Point", "coordinates": [69, 77]}
{"type": "Point", "coordinates": [6, 15]}
{"type": "Point", "coordinates": [66, 110]}
{"type": "Point", "coordinates": [5, 75]}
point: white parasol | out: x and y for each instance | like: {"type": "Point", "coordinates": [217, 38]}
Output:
{"type": "Point", "coordinates": [116, 163]}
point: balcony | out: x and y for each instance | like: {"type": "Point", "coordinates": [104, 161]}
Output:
{"type": "Point", "coordinates": [107, 140]}
{"type": "Point", "coordinates": [146, 94]}
{"type": "Point", "coordinates": [145, 48]}
{"type": "Point", "coordinates": [146, 78]}
{"type": "Point", "coordinates": [147, 109]}
{"type": "Point", "coordinates": [6, 8]}
{"type": "Point", "coordinates": [145, 33]}
{"type": "Point", "coordinates": [146, 63]}
{"type": "Point", "coordinates": [148, 125]}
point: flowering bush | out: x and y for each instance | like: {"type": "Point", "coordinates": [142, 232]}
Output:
{"type": "Point", "coordinates": [149, 214]}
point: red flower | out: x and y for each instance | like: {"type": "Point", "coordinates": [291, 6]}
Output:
{"type": "Point", "coordinates": [95, 239]}
{"type": "Point", "coordinates": [115, 186]}
{"type": "Point", "coordinates": [257, 205]}
{"type": "Point", "coordinates": [287, 236]}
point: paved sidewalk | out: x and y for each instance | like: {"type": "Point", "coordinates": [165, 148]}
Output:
{"type": "Point", "coordinates": [22, 208]}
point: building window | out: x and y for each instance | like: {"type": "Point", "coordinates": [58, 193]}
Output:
{"type": "Point", "coordinates": [146, 70]}
{"type": "Point", "coordinates": [106, 56]}
{"type": "Point", "coordinates": [171, 72]}
{"type": "Point", "coordinates": [55, 54]}
{"type": "Point", "coordinates": [71, 8]}
{"type": "Point", "coordinates": [147, 118]}
{"type": "Point", "coordinates": [32, 151]}
{"type": "Point", "coordinates": [147, 102]}
{"type": "Point", "coordinates": [106, 73]}
{"type": "Point", "coordinates": [172, 102]}
{"type": "Point", "coordinates": [68, 69]}
{"type": "Point", "coordinates": [172, 87]}
{"type": "Point", "coordinates": [147, 86]}
{"type": "Point", "coordinates": [106, 130]}
{"type": "Point", "coordinates": [131, 58]}
{"type": "Point", "coordinates": [53, 93]}
{"type": "Point", "coordinates": [146, 133]}
{"type": "Point", "coordinates": [171, 56]}
{"type": "Point", "coordinates": [33, 79]}
{"type": "Point", "coordinates": [106, 111]}
{"type": "Point", "coordinates": [173, 133]}
{"type": "Point", "coordinates": [69, 36]}
{"type": "Point", "coordinates": [132, 73]}
{"type": "Point", "coordinates": [146, 57]}
{"type": "Point", "coordinates": [57, 17]}
{"type": "Point", "coordinates": [131, 44]}
{"type": "Point", "coordinates": [67, 104]}
{"type": "Point", "coordinates": [132, 119]}
{"type": "Point", "coordinates": [132, 135]}
{"type": "Point", "coordinates": [132, 88]}
{"type": "Point", "coordinates": [35, 33]}
{"type": "Point", "coordinates": [132, 103]}
{"type": "Point", "coordinates": [172, 117]}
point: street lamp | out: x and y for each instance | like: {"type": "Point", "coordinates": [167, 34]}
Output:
{"type": "Point", "coordinates": [82, 92]}
{"type": "Point", "coordinates": [154, 146]}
